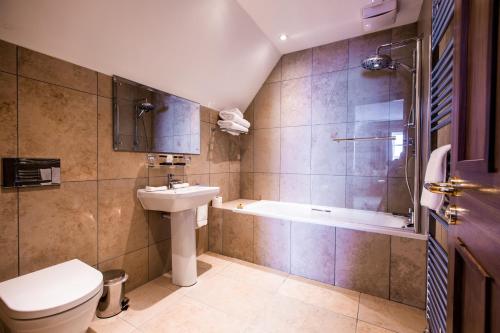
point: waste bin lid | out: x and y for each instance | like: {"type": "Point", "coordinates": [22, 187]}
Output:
{"type": "Point", "coordinates": [113, 276]}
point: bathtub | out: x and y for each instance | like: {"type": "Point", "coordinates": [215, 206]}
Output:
{"type": "Point", "coordinates": [354, 219]}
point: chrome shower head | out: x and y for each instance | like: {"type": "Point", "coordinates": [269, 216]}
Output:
{"type": "Point", "coordinates": [143, 106]}
{"type": "Point", "coordinates": [377, 62]}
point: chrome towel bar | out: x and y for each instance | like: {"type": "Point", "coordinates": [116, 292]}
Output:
{"type": "Point", "coordinates": [368, 138]}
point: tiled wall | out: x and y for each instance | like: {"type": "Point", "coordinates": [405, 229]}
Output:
{"type": "Point", "coordinates": [377, 264]}
{"type": "Point", "coordinates": [51, 108]}
{"type": "Point", "coordinates": [321, 92]}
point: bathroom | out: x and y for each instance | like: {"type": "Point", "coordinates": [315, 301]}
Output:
{"type": "Point", "coordinates": [248, 166]}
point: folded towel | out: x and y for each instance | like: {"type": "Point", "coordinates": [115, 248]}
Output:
{"type": "Point", "coordinates": [435, 173]}
{"type": "Point", "coordinates": [181, 185]}
{"type": "Point", "coordinates": [235, 111]}
{"type": "Point", "coordinates": [237, 120]}
{"type": "Point", "coordinates": [231, 125]}
{"type": "Point", "coordinates": [155, 188]}
{"type": "Point", "coordinates": [201, 216]}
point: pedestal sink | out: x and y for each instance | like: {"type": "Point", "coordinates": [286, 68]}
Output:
{"type": "Point", "coordinates": [181, 204]}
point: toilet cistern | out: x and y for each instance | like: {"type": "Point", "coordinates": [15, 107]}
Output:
{"type": "Point", "coordinates": [181, 203]}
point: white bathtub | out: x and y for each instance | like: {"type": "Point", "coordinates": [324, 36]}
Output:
{"type": "Point", "coordinates": [355, 219]}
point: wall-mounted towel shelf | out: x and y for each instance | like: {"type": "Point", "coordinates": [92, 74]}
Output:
{"type": "Point", "coordinates": [368, 138]}
{"type": "Point", "coordinates": [227, 131]}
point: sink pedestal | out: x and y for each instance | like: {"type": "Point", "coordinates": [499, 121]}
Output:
{"type": "Point", "coordinates": [182, 224]}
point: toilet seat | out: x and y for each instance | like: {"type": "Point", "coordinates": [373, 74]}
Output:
{"type": "Point", "coordinates": [49, 291]}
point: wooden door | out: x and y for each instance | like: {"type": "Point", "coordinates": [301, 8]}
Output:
{"type": "Point", "coordinates": [474, 241]}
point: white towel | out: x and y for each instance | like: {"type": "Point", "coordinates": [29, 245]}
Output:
{"type": "Point", "coordinates": [155, 189]}
{"type": "Point", "coordinates": [237, 119]}
{"type": "Point", "coordinates": [201, 216]}
{"type": "Point", "coordinates": [235, 111]}
{"type": "Point", "coordinates": [435, 173]}
{"type": "Point", "coordinates": [231, 125]}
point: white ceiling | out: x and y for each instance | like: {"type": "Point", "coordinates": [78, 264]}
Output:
{"type": "Point", "coordinates": [311, 23]}
{"type": "Point", "coordinates": [209, 51]}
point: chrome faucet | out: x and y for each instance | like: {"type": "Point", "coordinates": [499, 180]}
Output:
{"type": "Point", "coordinates": [171, 181]}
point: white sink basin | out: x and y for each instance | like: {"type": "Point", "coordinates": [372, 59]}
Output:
{"type": "Point", "coordinates": [176, 200]}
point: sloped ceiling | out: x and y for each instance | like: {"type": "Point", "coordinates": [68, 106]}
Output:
{"type": "Point", "coordinates": [209, 51]}
{"type": "Point", "coordinates": [311, 23]}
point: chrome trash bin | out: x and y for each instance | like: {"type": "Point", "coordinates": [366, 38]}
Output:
{"type": "Point", "coordinates": [113, 300]}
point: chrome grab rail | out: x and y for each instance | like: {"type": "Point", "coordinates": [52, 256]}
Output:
{"type": "Point", "coordinates": [368, 138]}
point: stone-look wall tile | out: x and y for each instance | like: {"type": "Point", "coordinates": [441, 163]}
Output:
{"type": "Point", "coordinates": [8, 57]}
{"type": "Point", "coordinates": [215, 220]}
{"type": "Point", "coordinates": [234, 186]}
{"type": "Point", "coordinates": [297, 64]}
{"type": "Point", "coordinates": [8, 115]}
{"type": "Point", "coordinates": [198, 179]}
{"type": "Point", "coordinates": [219, 152]}
{"type": "Point", "coordinates": [246, 185]}
{"type": "Point", "coordinates": [57, 122]}
{"type": "Point", "coordinates": [329, 98]}
{"type": "Point", "coordinates": [135, 264]}
{"type": "Point", "coordinates": [266, 157]}
{"type": "Point", "coordinates": [362, 261]}
{"type": "Point", "coordinates": [159, 259]}
{"type": "Point", "coordinates": [112, 164]}
{"type": "Point", "coordinates": [246, 152]}
{"type": "Point", "coordinates": [313, 251]}
{"type": "Point", "coordinates": [397, 150]}
{"type": "Point", "coordinates": [296, 102]}
{"type": "Point", "coordinates": [249, 113]}
{"type": "Point", "coordinates": [327, 156]}
{"type": "Point", "coordinates": [234, 165]}
{"type": "Point", "coordinates": [57, 224]}
{"type": "Point", "coordinates": [222, 181]}
{"type": "Point", "coordinates": [272, 243]}
{"type": "Point", "coordinates": [368, 193]}
{"type": "Point", "coordinates": [266, 186]}
{"type": "Point", "coordinates": [200, 164]}
{"type": "Point", "coordinates": [398, 198]}
{"type": "Point", "coordinates": [214, 116]}
{"type": "Point", "coordinates": [330, 57]}
{"type": "Point", "coordinates": [42, 67]}
{"type": "Point", "coordinates": [275, 74]}
{"type": "Point", "coordinates": [408, 271]}
{"type": "Point", "coordinates": [295, 188]}
{"type": "Point", "coordinates": [400, 96]}
{"type": "Point", "coordinates": [296, 149]}
{"type": "Point", "coordinates": [204, 114]}
{"type": "Point", "coordinates": [201, 240]}
{"type": "Point", "coordinates": [237, 236]}
{"type": "Point", "coordinates": [267, 106]}
{"type": "Point", "coordinates": [371, 157]}
{"type": "Point", "coordinates": [159, 226]}
{"type": "Point", "coordinates": [123, 225]}
{"type": "Point", "coordinates": [328, 190]}
{"type": "Point", "coordinates": [104, 85]}
{"type": "Point", "coordinates": [8, 234]}
{"type": "Point", "coordinates": [366, 45]}
{"type": "Point", "coordinates": [368, 95]}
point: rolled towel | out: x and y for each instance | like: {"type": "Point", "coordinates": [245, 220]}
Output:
{"type": "Point", "coordinates": [225, 113]}
{"type": "Point", "coordinates": [435, 173]}
{"type": "Point", "coordinates": [237, 119]}
{"type": "Point", "coordinates": [155, 188]}
{"type": "Point", "coordinates": [231, 125]}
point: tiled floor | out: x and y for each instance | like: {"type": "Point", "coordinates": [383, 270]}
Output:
{"type": "Point", "coordinates": [235, 296]}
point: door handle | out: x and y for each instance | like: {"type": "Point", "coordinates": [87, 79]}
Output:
{"type": "Point", "coordinates": [453, 187]}
{"type": "Point", "coordinates": [451, 214]}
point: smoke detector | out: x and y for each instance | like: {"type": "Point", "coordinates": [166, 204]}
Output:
{"type": "Point", "coordinates": [379, 14]}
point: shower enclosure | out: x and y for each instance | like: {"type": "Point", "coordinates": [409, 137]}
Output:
{"type": "Point", "coordinates": [410, 135]}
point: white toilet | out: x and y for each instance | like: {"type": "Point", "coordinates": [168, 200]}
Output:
{"type": "Point", "coordinates": [58, 299]}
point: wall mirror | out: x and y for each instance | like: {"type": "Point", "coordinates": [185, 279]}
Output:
{"type": "Point", "coordinates": [149, 120]}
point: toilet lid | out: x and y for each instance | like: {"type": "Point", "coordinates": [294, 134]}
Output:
{"type": "Point", "coordinates": [49, 291]}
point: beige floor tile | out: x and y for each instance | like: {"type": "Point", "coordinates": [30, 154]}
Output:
{"type": "Point", "coordinates": [255, 275]}
{"type": "Point", "coordinates": [322, 295]}
{"type": "Point", "coordinates": [391, 315]}
{"type": "Point", "coordinates": [211, 263]}
{"type": "Point", "coordinates": [150, 299]}
{"type": "Point", "coordinates": [237, 299]}
{"type": "Point", "coordinates": [189, 315]}
{"type": "Point", "coordinates": [110, 325]}
{"type": "Point", "coordinates": [363, 327]}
